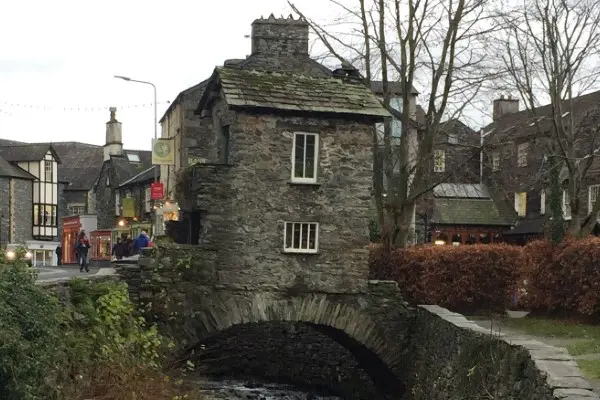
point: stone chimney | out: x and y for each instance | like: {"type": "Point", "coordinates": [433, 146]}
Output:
{"type": "Point", "coordinates": [280, 36]}
{"type": "Point", "coordinates": [504, 106]}
{"type": "Point", "coordinates": [114, 136]}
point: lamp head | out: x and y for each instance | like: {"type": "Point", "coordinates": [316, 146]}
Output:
{"type": "Point", "coordinates": [125, 78]}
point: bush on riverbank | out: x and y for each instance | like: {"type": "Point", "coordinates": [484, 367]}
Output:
{"type": "Point", "coordinates": [462, 278]}
{"type": "Point", "coordinates": [96, 347]}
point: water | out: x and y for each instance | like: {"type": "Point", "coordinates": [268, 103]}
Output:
{"type": "Point", "coordinates": [238, 390]}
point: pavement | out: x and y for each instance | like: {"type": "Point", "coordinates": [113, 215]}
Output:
{"type": "Point", "coordinates": [64, 272]}
{"type": "Point", "coordinates": [496, 327]}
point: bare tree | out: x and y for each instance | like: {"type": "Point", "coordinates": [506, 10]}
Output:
{"type": "Point", "coordinates": [438, 44]}
{"type": "Point", "coordinates": [551, 46]}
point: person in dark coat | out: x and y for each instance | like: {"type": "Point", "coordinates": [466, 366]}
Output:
{"type": "Point", "coordinates": [117, 250]}
{"type": "Point", "coordinates": [83, 246]}
{"type": "Point", "coordinates": [58, 255]}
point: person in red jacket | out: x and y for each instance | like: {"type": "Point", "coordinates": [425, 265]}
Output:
{"type": "Point", "coordinates": [83, 246]}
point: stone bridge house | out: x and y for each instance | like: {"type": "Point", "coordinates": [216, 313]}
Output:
{"type": "Point", "coordinates": [281, 264]}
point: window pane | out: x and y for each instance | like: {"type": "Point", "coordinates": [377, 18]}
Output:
{"type": "Point", "coordinates": [297, 233]}
{"type": "Point", "coordinates": [304, 238]}
{"type": "Point", "coordinates": [288, 234]}
{"type": "Point", "coordinates": [312, 237]}
{"type": "Point", "coordinates": [310, 156]}
{"type": "Point", "coordinates": [299, 156]}
{"type": "Point", "coordinates": [36, 214]}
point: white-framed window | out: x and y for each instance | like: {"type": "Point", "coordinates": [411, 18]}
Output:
{"type": "Point", "coordinates": [48, 170]}
{"type": "Point", "coordinates": [76, 209]}
{"type": "Point", "coordinates": [147, 200]}
{"type": "Point", "coordinates": [522, 154]}
{"type": "Point", "coordinates": [521, 203]}
{"type": "Point", "coordinates": [566, 205]}
{"type": "Point", "coordinates": [593, 191]}
{"type": "Point", "coordinates": [452, 138]}
{"type": "Point", "coordinates": [133, 157]}
{"type": "Point", "coordinates": [305, 155]}
{"type": "Point", "coordinates": [439, 161]}
{"type": "Point", "coordinates": [495, 161]}
{"type": "Point", "coordinates": [117, 204]}
{"type": "Point", "coordinates": [301, 237]}
{"type": "Point", "coordinates": [543, 202]}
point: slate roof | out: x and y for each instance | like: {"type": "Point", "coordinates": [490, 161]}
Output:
{"type": "Point", "coordinates": [468, 204]}
{"type": "Point", "coordinates": [26, 152]}
{"type": "Point", "coordinates": [394, 87]}
{"type": "Point", "coordinates": [450, 211]}
{"type": "Point", "coordinates": [180, 96]}
{"type": "Point", "coordinates": [81, 163]}
{"type": "Point", "coordinates": [125, 169]}
{"type": "Point", "coordinates": [522, 123]}
{"type": "Point", "coordinates": [9, 170]}
{"type": "Point", "coordinates": [144, 176]}
{"type": "Point", "coordinates": [293, 92]}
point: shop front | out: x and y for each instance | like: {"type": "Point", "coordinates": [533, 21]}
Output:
{"type": "Point", "coordinates": [167, 211]}
{"type": "Point", "coordinates": [101, 242]}
{"type": "Point", "coordinates": [43, 254]}
{"type": "Point", "coordinates": [72, 225]}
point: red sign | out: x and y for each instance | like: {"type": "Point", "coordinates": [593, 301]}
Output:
{"type": "Point", "coordinates": [157, 190]}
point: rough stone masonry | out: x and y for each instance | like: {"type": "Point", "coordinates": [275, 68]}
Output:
{"type": "Point", "coordinates": [430, 352]}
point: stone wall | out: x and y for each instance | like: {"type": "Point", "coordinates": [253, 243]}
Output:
{"type": "Point", "coordinates": [453, 358]}
{"type": "Point", "coordinates": [23, 210]}
{"type": "Point", "coordinates": [244, 218]}
{"type": "Point", "coordinates": [6, 209]}
{"type": "Point", "coordinates": [285, 352]}
{"type": "Point", "coordinates": [105, 198]}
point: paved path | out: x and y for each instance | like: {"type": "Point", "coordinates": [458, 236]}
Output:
{"type": "Point", "coordinates": [556, 342]}
{"type": "Point", "coordinates": [50, 274]}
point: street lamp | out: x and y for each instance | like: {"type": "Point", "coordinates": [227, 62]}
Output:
{"type": "Point", "coordinates": [128, 79]}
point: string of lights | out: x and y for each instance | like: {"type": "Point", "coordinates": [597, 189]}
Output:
{"type": "Point", "coordinates": [5, 106]}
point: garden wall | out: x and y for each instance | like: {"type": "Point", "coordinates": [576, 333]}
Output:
{"type": "Point", "coordinates": [453, 358]}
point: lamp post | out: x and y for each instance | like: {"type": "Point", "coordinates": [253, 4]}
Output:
{"type": "Point", "coordinates": [128, 79]}
{"type": "Point", "coordinates": [125, 78]}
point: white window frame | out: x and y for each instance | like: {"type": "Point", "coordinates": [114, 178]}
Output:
{"type": "Point", "coordinates": [148, 199]}
{"type": "Point", "coordinates": [495, 161]}
{"type": "Point", "coordinates": [522, 154]}
{"type": "Point", "coordinates": [48, 171]}
{"type": "Point", "coordinates": [80, 207]}
{"type": "Point", "coordinates": [518, 204]}
{"type": "Point", "coordinates": [543, 202]}
{"type": "Point", "coordinates": [316, 161]}
{"type": "Point", "coordinates": [292, 249]}
{"type": "Point", "coordinates": [593, 192]}
{"type": "Point", "coordinates": [566, 206]}
{"type": "Point", "coordinates": [439, 154]}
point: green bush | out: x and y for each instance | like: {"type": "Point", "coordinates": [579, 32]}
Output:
{"type": "Point", "coordinates": [30, 335]}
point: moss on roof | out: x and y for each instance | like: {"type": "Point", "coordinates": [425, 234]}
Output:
{"type": "Point", "coordinates": [455, 211]}
{"type": "Point", "coordinates": [296, 92]}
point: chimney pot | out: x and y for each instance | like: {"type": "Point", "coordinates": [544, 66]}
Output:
{"type": "Point", "coordinates": [504, 106]}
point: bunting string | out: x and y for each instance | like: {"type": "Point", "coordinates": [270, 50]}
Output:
{"type": "Point", "coordinates": [6, 106]}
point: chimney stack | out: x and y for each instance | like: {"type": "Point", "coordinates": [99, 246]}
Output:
{"type": "Point", "coordinates": [504, 106]}
{"type": "Point", "coordinates": [114, 136]}
{"type": "Point", "coordinates": [279, 36]}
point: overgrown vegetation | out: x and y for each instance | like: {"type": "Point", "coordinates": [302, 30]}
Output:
{"type": "Point", "coordinates": [96, 347]}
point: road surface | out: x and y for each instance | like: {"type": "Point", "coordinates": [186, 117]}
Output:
{"type": "Point", "coordinates": [46, 274]}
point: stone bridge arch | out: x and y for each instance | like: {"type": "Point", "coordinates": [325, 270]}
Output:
{"type": "Point", "coordinates": [368, 326]}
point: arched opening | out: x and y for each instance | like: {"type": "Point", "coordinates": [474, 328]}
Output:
{"type": "Point", "coordinates": [314, 357]}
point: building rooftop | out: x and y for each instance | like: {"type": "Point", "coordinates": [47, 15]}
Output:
{"type": "Point", "coordinates": [293, 92]}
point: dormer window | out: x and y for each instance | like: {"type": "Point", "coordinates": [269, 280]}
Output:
{"type": "Point", "coordinates": [133, 157]}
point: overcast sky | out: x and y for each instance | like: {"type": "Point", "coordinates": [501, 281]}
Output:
{"type": "Point", "coordinates": [58, 58]}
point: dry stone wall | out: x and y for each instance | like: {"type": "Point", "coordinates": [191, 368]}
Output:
{"type": "Point", "coordinates": [453, 358]}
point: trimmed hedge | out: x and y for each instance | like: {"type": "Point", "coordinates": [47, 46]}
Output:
{"type": "Point", "coordinates": [563, 278]}
{"type": "Point", "coordinates": [551, 278]}
{"type": "Point", "coordinates": [462, 278]}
